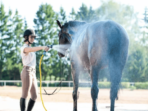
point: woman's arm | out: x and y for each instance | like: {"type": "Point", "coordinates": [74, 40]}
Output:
{"type": "Point", "coordinates": [34, 49]}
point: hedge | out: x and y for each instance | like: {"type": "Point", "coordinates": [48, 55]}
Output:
{"type": "Point", "coordinates": [123, 85]}
{"type": "Point", "coordinates": [141, 85]}
{"type": "Point", "coordinates": [126, 85]}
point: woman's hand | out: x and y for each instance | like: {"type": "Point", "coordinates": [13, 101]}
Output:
{"type": "Point", "coordinates": [46, 48]}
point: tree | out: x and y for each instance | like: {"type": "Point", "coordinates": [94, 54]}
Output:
{"type": "Point", "coordinates": [136, 68]}
{"type": "Point", "coordinates": [10, 33]}
{"type": "Point", "coordinates": [3, 37]}
{"type": "Point", "coordinates": [144, 38]}
{"type": "Point", "coordinates": [13, 58]}
{"type": "Point", "coordinates": [146, 17]}
{"type": "Point", "coordinates": [62, 16]}
{"type": "Point", "coordinates": [45, 29]}
{"type": "Point", "coordinates": [72, 15]}
{"type": "Point", "coordinates": [85, 14]}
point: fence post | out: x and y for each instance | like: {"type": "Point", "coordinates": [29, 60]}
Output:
{"type": "Point", "coordinates": [69, 83]}
{"type": "Point", "coordinates": [4, 83]}
{"type": "Point", "coordinates": [132, 84]}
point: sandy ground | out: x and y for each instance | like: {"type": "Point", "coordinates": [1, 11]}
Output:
{"type": "Point", "coordinates": [136, 100]}
{"type": "Point", "coordinates": [65, 95]}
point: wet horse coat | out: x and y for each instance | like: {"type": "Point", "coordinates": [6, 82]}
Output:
{"type": "Point", "coordinates": [93, 47]}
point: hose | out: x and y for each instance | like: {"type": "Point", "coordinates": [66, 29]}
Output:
{"type": "Point", "coordinates": [41, 82]}
{"type": "Point", "coordinates": [49, 46]}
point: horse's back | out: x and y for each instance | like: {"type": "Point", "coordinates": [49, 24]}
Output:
{"type": "Point", "coordinates": [107, 30]}
{"type": "Point", "coordinates": [106, 39]}
{"type": "Point", "coordinates": [99, 41]}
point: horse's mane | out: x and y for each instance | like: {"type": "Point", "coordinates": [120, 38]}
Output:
{"type": "Point", "coordinates": [76, 23]}
{"type": "Point", "coordinates": [72, 24]}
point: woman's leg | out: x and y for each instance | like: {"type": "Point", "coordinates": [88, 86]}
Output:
{"type": "Point", "coordinates": [26, 85]}
{"type": "Point", "coordinates": [22, 104]}
{"type": "Point", "coordinates": [34, 93]}
{"type": "Point", "coordinates": [34, 89]}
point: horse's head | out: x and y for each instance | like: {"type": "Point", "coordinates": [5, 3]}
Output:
{"type": "Point", "coordinates": [64, 36]}
{"type": "Point", "coordinates": [67, 32]}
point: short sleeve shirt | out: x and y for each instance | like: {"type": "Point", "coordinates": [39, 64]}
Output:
{"type": "Point", "coordinates": [28, 59]}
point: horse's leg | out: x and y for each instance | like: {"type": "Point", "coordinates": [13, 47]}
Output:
{"type": "Point", "coordinates": [75, 76]}
{"type": "Point", "coordinates": [94, 89]}
{"type": "Point", "coordinates": [115, 77]}
{"type": "Point", "coordinates": [116, 65]}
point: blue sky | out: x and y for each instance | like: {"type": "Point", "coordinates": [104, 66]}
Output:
{"type": "Point", "coordinates": [27, 8]}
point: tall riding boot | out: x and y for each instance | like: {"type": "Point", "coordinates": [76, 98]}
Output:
{"type": "Point", "coordinates": [23, 104]}
{"type": "Point", "coordinates": [30, 104]}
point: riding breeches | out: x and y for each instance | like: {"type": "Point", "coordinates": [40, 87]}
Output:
{"type": "Point", "coordinates": [29, 82]}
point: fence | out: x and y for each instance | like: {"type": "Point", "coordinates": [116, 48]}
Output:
{"type": "Point", "coordinates": [54, 83]}
{"type": "Point", "coordinates": [48, 83]}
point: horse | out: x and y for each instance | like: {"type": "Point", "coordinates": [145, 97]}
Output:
{"type": "Point", "coordinates": [94, 46]}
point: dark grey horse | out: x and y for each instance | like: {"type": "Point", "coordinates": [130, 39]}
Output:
{"type": "Point", "coordinates": [93, 47]}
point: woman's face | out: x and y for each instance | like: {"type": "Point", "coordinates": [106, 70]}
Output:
{"type": "Point", "coordinates": [31, 38]}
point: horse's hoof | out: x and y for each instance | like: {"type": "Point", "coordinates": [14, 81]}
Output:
{"type": "Point", "coordinates": [94, 109]}
{"type": "Point", "coordinates": [74, 109]}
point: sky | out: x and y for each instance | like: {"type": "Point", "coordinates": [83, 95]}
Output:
{"type": "Point", "coordinates": [28, 8]}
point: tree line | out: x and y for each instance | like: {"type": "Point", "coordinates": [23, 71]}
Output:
{"type": "Point", "coordinates": [12, 27]}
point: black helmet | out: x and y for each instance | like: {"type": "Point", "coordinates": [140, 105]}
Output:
{"type": "Point", "coordinates": [27, 33]}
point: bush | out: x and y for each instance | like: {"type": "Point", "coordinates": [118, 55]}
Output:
{"type": "Point", "coordinates": [141, 85]}
{"type": "Point", "coordinates": [19, 84]}
{"type": "Point", "coordinates": [104, 84]}
{"type": "Point", "coordinates": [132, 88]}
{"type": "Point", "coordinates": [125, 85]}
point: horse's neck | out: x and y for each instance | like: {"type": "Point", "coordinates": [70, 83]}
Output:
{"type": "Point", "coordinates": [80, 33]}
{"type": "Point", "coordinates": [73, 29]}
{"type": "Point", "coordinates": [72, 32]}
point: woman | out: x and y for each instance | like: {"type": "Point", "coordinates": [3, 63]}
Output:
{"type": "Point", "coordinates": [28, 74]}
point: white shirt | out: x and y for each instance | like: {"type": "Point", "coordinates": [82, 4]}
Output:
{"type": "Point", "coordinates": [28, 59]}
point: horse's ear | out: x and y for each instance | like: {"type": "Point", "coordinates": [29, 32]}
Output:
{"type": "Point", "coordinates": [59, 24]}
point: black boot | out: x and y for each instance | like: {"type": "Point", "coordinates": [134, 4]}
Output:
{"type": "Point", "coordinates": [30, 105]}
{"type": "Point", "coordinates": [22, 104]}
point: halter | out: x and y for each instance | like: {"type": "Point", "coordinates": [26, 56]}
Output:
{"type": "Point", "coordinates": [69, 39]}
